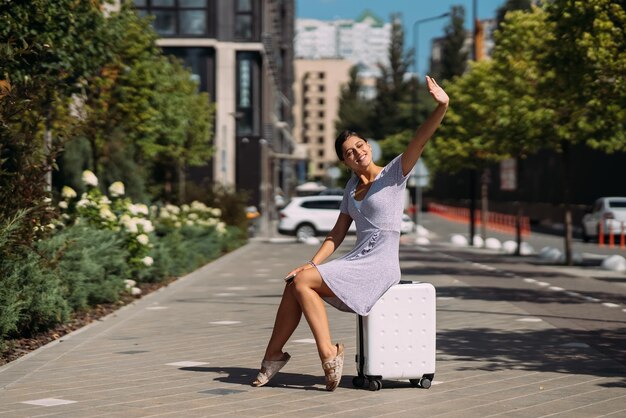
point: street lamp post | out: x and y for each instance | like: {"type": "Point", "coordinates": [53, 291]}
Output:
{"type": "Point", "coordinates": [416, 93]}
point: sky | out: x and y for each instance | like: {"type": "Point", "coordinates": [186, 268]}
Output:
{"type": "Point", "coordinates": [411, 10]}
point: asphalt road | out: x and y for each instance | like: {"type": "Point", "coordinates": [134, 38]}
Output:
{"type": "Point", "coordinates": [584, 302]}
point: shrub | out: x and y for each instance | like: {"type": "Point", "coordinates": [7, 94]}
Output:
{"type": "Point", "coordinates": [31, 293]}
{"type": "Point", "coordinates": [92, 264]}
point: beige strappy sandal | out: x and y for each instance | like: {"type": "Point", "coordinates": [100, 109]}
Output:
{"type": "Point", "coordinates": [269, 368]}
{"type": "Point", "coordinates": [333, 369]}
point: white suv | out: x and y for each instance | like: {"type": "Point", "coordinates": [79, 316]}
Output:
{"type": "Point", "coordinates": [316, 215]}
{"type": "Point", "coordinates": [310, 215]}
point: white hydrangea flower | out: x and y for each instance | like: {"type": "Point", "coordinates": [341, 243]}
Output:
{"type": "Point", "coordinates": [47, 200]}
{"type": "Point", "coordinates": [164, 214]}
{"type": "Point", "coordinates": [63, 204]}
{"type": "Point", "coordinates": [107, 214]}
{"type": "Point", "coordinates": [138, 209]}
{"type": "Point", "coordinates": [192, 216]}
{"type": "Point", "coordinates": [216, 212]}
{"type": "Point", "coordinates": [221, 227]}
{"type": "Point", "coordinates": [130, 224]}
{"type": "Point", "coordinates": [117, 189]}
{"type": "Point", "coordinates": [177, 224]}
{"type": "Point", "coordinates": [146, 225]}
{"type": "Point", "coordinates": [195, 205]}
{"type": "Point", "coordinates": [172, 208]}
{"type": "Point", "coordinates": [89, 178]}
{"type": "Point", "coordinates": [188, 222]}
{"type": "Point", "coordinates": [143, 239]}
{"type": "Point", "coordinates": [83, 203]}
{"type": "Point", "coordinates": [51, 226]}
{"type": "Point", "coordinates": [68, 193]}
{"type": "Point", "coordinates": [185, 208]}
{"type": "Point", "coordinates": [147, 261]}
{"type": "Point", "coordinates": [104, 200]}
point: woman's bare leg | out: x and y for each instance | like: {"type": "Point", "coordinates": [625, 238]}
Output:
{"type": "Point", "coordinates": [309, 289]}
{"type": "Point", "coordinates": [287, 320]}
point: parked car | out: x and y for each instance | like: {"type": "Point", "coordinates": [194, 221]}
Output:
{"type": "Point", "coordinates": [611, 211]}
{"type": "Point", "coordinates": [309, 216]}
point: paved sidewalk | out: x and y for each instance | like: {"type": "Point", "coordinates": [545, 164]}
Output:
{"type": "Point", "coordinates": [191, 350]}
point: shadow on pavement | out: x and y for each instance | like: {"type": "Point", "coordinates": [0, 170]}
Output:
{"type": "Point", "coordinates": [245, 376]}
{"type": "Point", "coordinates": [549, 350]}
{"type": "Point", "coordinates": [502, 294]}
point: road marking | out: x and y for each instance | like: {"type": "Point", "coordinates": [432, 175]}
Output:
{"type": "Point", "coordinates": [529, 320]}
{"type": "Point", "coordinates": [225, 322]}
{"type": "Point", "coordinates": [306, 341]}
{"type": "Point", "coordinates": [533, 281]}
{"type": "Point", "coordinates": [186, 364]}
{"type": "Point", "coordinates": [49, 402]}
{"type": "Point", "coordinates": [225, 294]}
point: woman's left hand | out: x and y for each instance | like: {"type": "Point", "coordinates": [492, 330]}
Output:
{"type": "Point", "coordinates": [437, 92]}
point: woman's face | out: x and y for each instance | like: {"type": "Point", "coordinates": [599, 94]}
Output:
{"type": "Point", "coordinates": [357, 153]}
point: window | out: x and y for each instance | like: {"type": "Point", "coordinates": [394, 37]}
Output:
{"type": "Point", "coordinates": [320, 166]}
{"type": "Point", "coordinates": [188, 18]}
{"type": "Point", "coordinates": [243, 20]}
{"type": "Point", "coordinates": [322, 204]}
{"type": "Point", "coordinates": [320, 140]}
{"type": "Point", "coordinates": [305, 114]}
{"type": "Point", "coordinates": [306, 100]}
{"type": "Point", "coordinates": [248, 93]}
{"type": "Point", "coordinates": [321, 88]}
{"type": "Point", "coordinates": [321, 75]}
{"type": "Point", "coordinates": [321, 113]}
{"type": "Point", "coordinates": [320, 101]}
{"type": "Point", "coordinates": [305, 140]}
{"type": "Point", "coordinates": [320, 153]}
{"type": "Point", "coordinates": [320, 126]}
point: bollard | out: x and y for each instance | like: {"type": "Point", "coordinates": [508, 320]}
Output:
{"type": "Point", "coordinates": [622, 244]}
{"type": "Point", "coordinates": [601, 233]}
{"type": "Point", "coordinates": [611, 237]}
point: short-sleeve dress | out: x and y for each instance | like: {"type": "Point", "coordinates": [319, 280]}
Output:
{"type": "Point", "coordinates": [361, 277]}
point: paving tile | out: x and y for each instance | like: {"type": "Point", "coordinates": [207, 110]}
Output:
{"type": "Point", "coordinates": [198, 357]}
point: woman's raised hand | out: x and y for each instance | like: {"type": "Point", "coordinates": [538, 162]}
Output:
{"type": "Point", "coordinates": [437, 92]}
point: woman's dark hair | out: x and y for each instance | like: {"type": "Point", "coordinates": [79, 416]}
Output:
{"type": "Point", "coordinates": [341, 138]}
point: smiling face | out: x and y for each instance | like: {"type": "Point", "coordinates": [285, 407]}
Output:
{"type": "Point", "coordinates": [357, 153]}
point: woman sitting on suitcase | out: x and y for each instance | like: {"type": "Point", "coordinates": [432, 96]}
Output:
{"type": "Point", "coordinates": [374, 199]}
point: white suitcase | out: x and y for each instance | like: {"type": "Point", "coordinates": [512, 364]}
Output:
{"type": "Point", "coordinates": [396, 340]}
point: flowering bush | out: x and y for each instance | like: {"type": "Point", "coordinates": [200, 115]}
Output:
{"type": "Point", "coordinates": [136, 223]}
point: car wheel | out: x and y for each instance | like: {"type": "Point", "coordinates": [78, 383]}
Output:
{"type": "Point", "coordinates": [305, 231]}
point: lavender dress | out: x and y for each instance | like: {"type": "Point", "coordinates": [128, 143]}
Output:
{"type": "Point", "coordinates": [361, 277]}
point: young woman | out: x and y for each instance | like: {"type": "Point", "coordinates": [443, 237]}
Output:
{"type": "Point", "coordinates": [373, 198]}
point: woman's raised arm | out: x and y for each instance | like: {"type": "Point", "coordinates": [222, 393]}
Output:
{"type": "Point", "coordinates": [427, 129]}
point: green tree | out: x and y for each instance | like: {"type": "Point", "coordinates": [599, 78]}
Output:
{"type": "Point", "coordinates": [583, 85]}
{"type": "Point", "coordinates": [46, 54]}
{"type": "Point", "coordinates": [509, 6]}
{"type": "Point", "coordinates": [453, 57]}
{"type": "Point", "coordinates": [355, 111]}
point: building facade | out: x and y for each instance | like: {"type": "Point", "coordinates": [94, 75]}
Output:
{"type": "Point", "coordinates": [241, 53]}
{"type": "Point", "coordinates": [364, 41]}
{"type": "Point", "coordinates": [316, 104]}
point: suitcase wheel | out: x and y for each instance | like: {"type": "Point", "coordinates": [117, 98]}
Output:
{"type": "Point", "coordinates": [424, 382]}
{"type": "Point", "coordinates": [358, 381]}
{"type": "Point", "coordinates": [375, 385]}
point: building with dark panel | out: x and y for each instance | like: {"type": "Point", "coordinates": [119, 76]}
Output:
{"type": "Point", "coordinates": [241, 52]}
